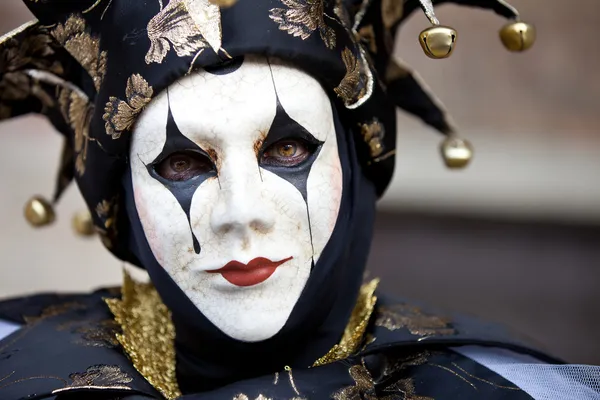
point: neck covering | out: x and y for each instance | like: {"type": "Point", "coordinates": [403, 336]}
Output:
{"type": "Point", "coordinates": [207, 358]}
{"type": "Point", "coordinates": [92, 66]}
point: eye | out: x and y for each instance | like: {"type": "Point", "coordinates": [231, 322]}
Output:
{"type": "Point", "coordinates": [184, 165]}
{"type": "Point", "coordinates": [287, 153]}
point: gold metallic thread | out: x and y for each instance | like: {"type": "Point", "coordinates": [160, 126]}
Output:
{"type": "Point", "coordinates": [84, 48]}
{"type": "Point", "coordinates": [32, 52]}
{"type": "Point", "coordinates": [484, 380]}
{"type": "Point", "coordinates": [148, 334]}
{"type": "Point", "coordinates": [120, 115]}
{"type": "Point", "coordinates": [363, 388]}
{"type": "Point", "coordinates": [403, 316]}
{"type": "Point", "coordinates": [189, 26]}
{"type": "Point", "coordinates": [107, 211]}
{"type": "Point", "coordinates": [101, 375]}
{"type": "Point", "coordinates": [355, 330]}
{"type": "Point", "coordinates": [373, 133]}
{"type": "Point", "coordinates": [77, 112]}
{"type": "Point", "coordinates": [350, 87]}
{"type": "Point", "coordinates": [303, 17]}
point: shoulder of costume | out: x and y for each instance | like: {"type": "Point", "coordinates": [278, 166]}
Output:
{"type": "Point", "coordinates": [398, 322]}
{"type": "Point", "coordinates": [67, 344]}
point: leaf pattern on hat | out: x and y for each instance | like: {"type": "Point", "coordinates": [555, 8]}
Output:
{"type": "Point", "coordinates": [34, 51]}
{"type": "Point", "coordinates": [356, 86]}
{"type": "Point", "coordinates": [302, 18]}
{"type": "Point", "coordinates": [84, 47]}
{"type": "Point", "coordinates": [349, 86]}
{"type": "Point", "coordinates": [190, 26]}
{"type": "Point", "coordinates": [77, 111]}
{"type": "Point", "coordinates": [121, 115]}
{"type": "Point", "coordinates": [373, 133]}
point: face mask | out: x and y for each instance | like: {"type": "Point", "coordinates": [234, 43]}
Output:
{"type": "Point", "coordinates": [237, 182]}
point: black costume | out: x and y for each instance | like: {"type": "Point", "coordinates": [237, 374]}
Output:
{"type": "Point", "coordinates": [91, 68]}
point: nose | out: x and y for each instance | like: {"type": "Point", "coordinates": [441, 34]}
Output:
{"type": "Point", "coordinates": [241, 207]}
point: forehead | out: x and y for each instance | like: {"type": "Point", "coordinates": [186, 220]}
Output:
{"type": "Point", "coordinates": [221, 106]}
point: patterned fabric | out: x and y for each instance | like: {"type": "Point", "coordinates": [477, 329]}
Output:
{"type": "Point", "coordinates": [82, 335]}
{"type": "Point", "coordinates": [92, 66]}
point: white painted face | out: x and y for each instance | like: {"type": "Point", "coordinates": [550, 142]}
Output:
{"type": "Point", "coordinates": [237, 181]}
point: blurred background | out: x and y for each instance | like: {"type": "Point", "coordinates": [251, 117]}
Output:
{"type": "Point", "coordinates": [515, 238]}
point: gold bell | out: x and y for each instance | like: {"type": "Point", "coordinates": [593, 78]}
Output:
{"type": "Point", "coordinates": [517, 36]}
{"type": "Point", "coordinates": [82, 223]}
{"type": "Point", "coordinates": [223, 3]}
{"type": "Point", "coordinates": [456, 152]}
{"type": "Point", "coordinates": [39, 212]}
{"type": "Point", "coordinates": [438, 41]}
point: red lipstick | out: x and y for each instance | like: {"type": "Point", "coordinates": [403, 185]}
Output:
{"type": "Point", "coordinates": [256, 271]}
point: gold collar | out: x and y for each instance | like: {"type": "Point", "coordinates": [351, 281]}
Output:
{"type": "Point", "coordinates": [148, 334]}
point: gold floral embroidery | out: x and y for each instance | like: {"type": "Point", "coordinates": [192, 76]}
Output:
{"type": "Point", "coordinates": [97, 377]}
{"type": "Point", "coordinates": [107, 213]}
{"type": "Point", "coordinates": [101, 334]}
{"type": "Point", "coordinates": [84, 47]}
{"type": "Point", "coordinates": [373, 133]}
{"type": "Point", "coordinates": [242, 396]}
{"type": "Point", "coordinates": [406, 385]}
{"type": "Point", "coordinates": [54, 310]}
{"type": "Point", "coordinates": [363, 388]}
{"type": "Point", "coordinates": [109, 376]}
{"type": "Point", "coordinates": [93, 333]}
{"type": "Point", "coordinates": [402, 316]}
{"type": "Point", "coordinates": [355, 330]}
{"type": "Point", "coordinates": [302, 18]}
{"type": "Point", "coordinates": [77, 111]}
{"type": "Point", "coordinates": [120, 115]}
{"type": "Point", "coordinates": [32, 51]}
{"type": "Point", "coordinates": [189, 26]}
{"type": "Point", "coordinates": [148, 334]}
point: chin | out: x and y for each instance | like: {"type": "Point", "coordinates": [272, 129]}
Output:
{"type": "Point", "coordinates": [256, 327]}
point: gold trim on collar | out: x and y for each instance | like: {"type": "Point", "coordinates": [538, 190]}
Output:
{"type": "Point", "coordinates": [148, 334]}
{"type": "Point", "coordinates": [355, 330]}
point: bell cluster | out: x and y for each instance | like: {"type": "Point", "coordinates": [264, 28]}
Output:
{"type": "Point", "coordinates": [438, 42]}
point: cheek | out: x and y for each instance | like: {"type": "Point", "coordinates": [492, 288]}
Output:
{"type": "Point", "coordinates": [163, 220]}
{"type": "Point", "coordinates": [324, 195]}
{"type": "Point", "coordinates": [143, 205]}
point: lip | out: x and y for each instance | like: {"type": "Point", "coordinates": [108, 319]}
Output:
{"type": "Point", "coordinates": [256, 271]}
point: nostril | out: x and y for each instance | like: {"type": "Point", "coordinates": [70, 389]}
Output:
{"type": "Point", "coordinates": [226, 228]}
{"type": "Point", "coordinates": [260, 226]}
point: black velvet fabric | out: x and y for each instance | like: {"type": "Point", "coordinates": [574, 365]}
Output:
{"type": "Point", "coordinates": [207, 358]}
